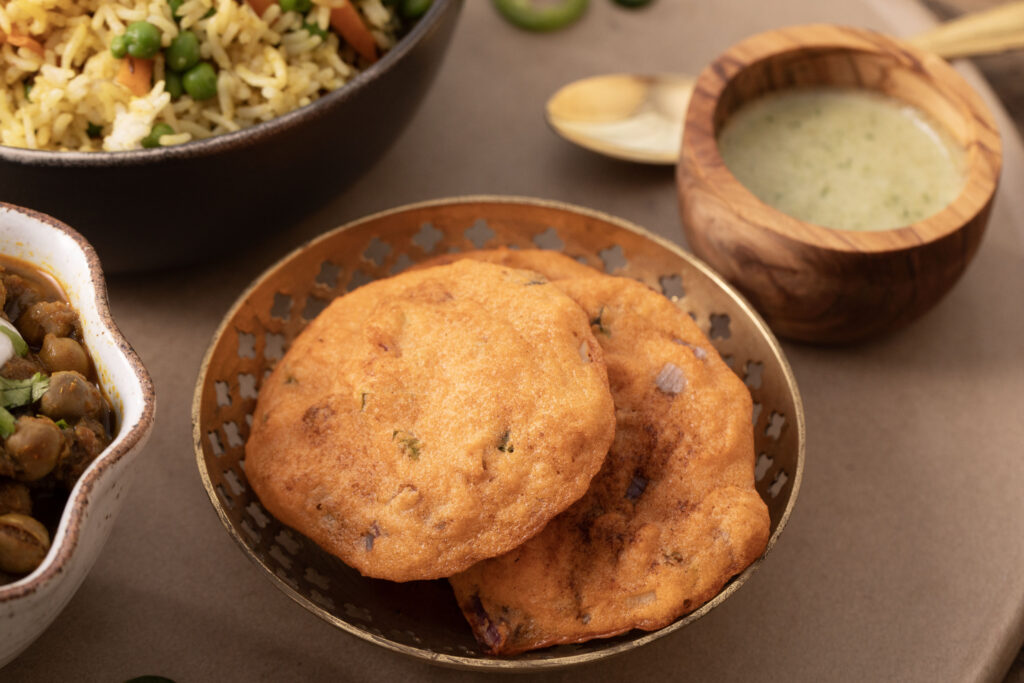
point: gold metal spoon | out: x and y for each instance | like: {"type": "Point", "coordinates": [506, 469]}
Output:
{"type": "Point", "coordinates": [640, 117]}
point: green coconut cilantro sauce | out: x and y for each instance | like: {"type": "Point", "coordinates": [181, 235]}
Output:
{"type": "Point", "coordinates": [843, 158]}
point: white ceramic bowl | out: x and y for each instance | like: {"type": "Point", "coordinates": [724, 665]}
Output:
{"type": "Point", "coordinates": [31, 603]}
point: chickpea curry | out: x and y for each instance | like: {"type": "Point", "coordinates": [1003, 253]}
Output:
{"type": "Point", "coordinates": [54, 418]}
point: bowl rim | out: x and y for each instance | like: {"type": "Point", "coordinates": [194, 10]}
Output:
{"type": "Point", "coordinates": [983, 146]}
{"type": "Point", "coordinates": [502, 664]}
{"type": "Point", "coordinates": [128, 439]}
{"type": "Point", "coordinates": [213, 145]}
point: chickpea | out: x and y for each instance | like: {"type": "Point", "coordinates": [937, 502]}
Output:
{"type": "Point", "coordinates": [86, 440]}
{"type": "Point", "coordinates": [20, 294]}
{"type": "Point", "coordinates": [22, 367]}
{"type": "Point", "coordinates": [14, 497]}
{"type": "Point", "coordinates": [63, 353]}
{"type": "Point", "coordinates": [71, 396]}
{"type": "Point", "coordinates": [34, 448]}
{"type": "Point", "coordinates": [46, 317]}
{"type": "Point", "coordinates": [24, 543]}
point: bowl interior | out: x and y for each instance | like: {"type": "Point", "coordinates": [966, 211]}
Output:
{"type": "Point", "coordinates": [850, 67]}
{"type": "Point", "coordinates": [421, 618]}
{"type": "Point", "coordinates": [66, 256]}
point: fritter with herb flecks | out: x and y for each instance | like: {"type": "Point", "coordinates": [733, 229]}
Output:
{"type": "Point", "coordinates": [426, 422]}
{"type": "Point", "coordinates": [671, 516]}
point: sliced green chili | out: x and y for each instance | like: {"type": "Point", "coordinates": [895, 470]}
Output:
{"type": "Point", "coordinates": [536, 15]}
{"type": "Point", "coordinates": [21, 392]}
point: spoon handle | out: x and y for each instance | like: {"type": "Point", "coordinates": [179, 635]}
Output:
{"type": "Point", "coordinates": [979, 33]}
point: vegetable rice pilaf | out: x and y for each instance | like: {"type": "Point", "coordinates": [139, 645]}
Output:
{"type": "Point", "coordinates": [115, 75]}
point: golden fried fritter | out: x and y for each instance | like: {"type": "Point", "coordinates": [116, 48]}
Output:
{"type": "Point", "coordinates": [671, 516]}
{"type": "Point", "coordinates": [428, 421]}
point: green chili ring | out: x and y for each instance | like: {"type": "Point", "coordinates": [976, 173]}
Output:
{"type": "Point", "coordinates": [536, 15]}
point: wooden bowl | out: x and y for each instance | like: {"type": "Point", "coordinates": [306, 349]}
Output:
{"type": "Point", "coordinates": [819, 284]}
{"type": "Point", "coordinates": [421, 619]}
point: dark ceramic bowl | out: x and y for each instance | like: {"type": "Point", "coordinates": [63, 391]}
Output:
{"type": "Point", "coordinates": [237, 186]}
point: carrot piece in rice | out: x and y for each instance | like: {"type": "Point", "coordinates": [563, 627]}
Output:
{"type": "Point", "coordinates": [19, 40]}
{"type": "Point", "coordinates": [347, 22]}
{"type": "Point", "coordinates": [260, 6]}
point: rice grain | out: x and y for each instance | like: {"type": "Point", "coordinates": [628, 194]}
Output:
{"type": "Point", "coordinates": [266, 67]}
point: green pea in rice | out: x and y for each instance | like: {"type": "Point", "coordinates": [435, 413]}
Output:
{"type": "Point", "coordinates": [67, 97]}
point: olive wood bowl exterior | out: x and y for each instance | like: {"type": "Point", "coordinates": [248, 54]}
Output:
{"type": "Point", "coordinates": [818, 284]}
{"type": "Point", "coordinates": [30, 604]}
{"type": "Point", "coordinates": [421, 618]}
{"type": "Point", "coordinates": [152, 208]}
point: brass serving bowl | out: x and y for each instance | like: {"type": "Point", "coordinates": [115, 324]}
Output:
{"type": "Point", "coordinates": [421, 619]}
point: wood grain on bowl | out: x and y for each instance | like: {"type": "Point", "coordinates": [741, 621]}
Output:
{"type": "Point", "coordinates": [813, 283]}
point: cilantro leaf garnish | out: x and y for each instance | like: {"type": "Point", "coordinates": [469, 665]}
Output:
{"type": "Point", "coordinates": [21, 392]}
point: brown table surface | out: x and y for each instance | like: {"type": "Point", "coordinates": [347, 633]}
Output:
{"type": "Point", "coordinates": [903, 559]}
{"type": "Point", "coordinates": [1005, 73]}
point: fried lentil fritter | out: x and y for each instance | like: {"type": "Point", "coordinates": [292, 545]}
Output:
{"type": "Point", "coordinates": [426, 422]}
{"type": "Point", "coordinates": [671, 516]}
